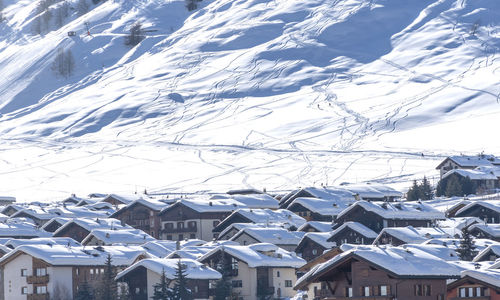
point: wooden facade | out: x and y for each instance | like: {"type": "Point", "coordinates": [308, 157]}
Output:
{"type": "Point", "coordinates": [484, 213]}
{"type": "Point", "coordinates": [308, 214]}
{"type": "Point", "coordinates": [350, 236]}
{"type": "Point", "coordinates": [308, 249]}
{"type": "Point", "coordinates": [473, 289]}
{"type": "Point", "coordinates": [74, 231]}
{"type": "Point", "coordinates": [140, 216]}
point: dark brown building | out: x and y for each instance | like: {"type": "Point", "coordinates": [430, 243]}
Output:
{"type": "Point", "coordinates": [352, 233]}
{"type": "Point", "coordinates": [488, 211]}
{"type": "Point", "coordinates": [385, 273]}
{"type": "Point", "coordinates": [476, 284]}
{"type": "Point", "coordinates": [313, 244]}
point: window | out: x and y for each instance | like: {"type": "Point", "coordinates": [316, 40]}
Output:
{"type": "Point", "coordinates": [366, 291]}
{"type": "Point", "coordinates": [180, 225]}
{"type": "Point", "coordinates": [237, 283]}
{"type": "Point", "coordinates": [41, 271]}
{"type": "Point", "coordinates": [418, 290]}
{"type": "Point", "coordinates": [137, 290]}
{"type": "Point", "coordinates": [41, 289]}
{"type": "Point", "coordinates": [427, 290]}
{"type": "Point", "coordinates": [348, 292]}
{"type": "Point", "coordinates": [196, 289]}
{"type": "Point", "coordinates": [102, 271]}
{"type": "Point", "coordinates": [461, 292]}
{"type": "Point", "coordinates": [169, 237]}
{"type": "Point", "coordinates": [480, 292]}
{"type": "Point", "coordinates": [315, 251]}
{"type": "Point", "coordinates": [191, 224]}
{"type": "Point", "coordinates": [91, 271]}
{"type": "Point", "coordinates": [192, 236]}
{"type": "Point", "coordinates": [181, 237]}
{"type": "Point", "coordinates": [440, 297]}
{"type": "Point", "coordinates": [234, 266]}
{"type": "Point", "coordinates": [277, 273]}
{"type": "Point", "coordinates": [382, 289]}
{"type": "Point", "coordinates": [24, 290]}
{"type": "Point", "coordinates": [288, 283]}
{"type": "Point", "coordinates": [24, 272]}
{"type": "Point", "coordinates": [77, 271]}
{"type": "Point", "coordinates": [169, 225]}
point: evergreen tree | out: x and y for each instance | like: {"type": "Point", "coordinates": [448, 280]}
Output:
{"type": "Point", "coordinates": [191, 5]}
{"type": "Point", "coordinates": [107, 288]}
{"type": "Point", "coordinates": [64, 63]}
{"type": "Point", "coordinates": [223, 286]}
{"type": "Point", "coordinates": [467, 248]}
{"type": "Point", "coordinates": [161, 290]}
{"type": "Point", "coordinates": [468, 186]}
{"type": "Point", "coordinates": [414, 192]}
{"type": "Point", "coordinates": [180, 290]}
{"type": "Point", "coordinates": [453, 187]}
{"type": "Point", "coordinates": [135, 36]}
{"type": "Point", "coordinates": [441, 188]}
{"type": "Point", "coordinates": [84, 292]}
{"type": "Point", "coordinates": [426, 189]}
{"type": "Point", "coordinates": [82, 7]}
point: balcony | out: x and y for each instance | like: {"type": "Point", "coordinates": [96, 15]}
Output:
{"type": "Point", "coordinates": [180, 230]}
{"type": "Point", "coordinates": [472, 298]}
{"type": "Point", "coordinates": [39, 296]}
{"type": "Point", "coordinates": [38, 279]}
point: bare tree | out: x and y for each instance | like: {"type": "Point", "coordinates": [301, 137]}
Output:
{"type": "Point", "coordinates": [82, 7]}
{"type": "Point", "coordinates": [62, 13]}
{"type": "Point", "coordinates": [61, 292]}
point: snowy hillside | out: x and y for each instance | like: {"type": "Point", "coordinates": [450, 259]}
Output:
{"type": "Point", "coordinates": [255, 93]}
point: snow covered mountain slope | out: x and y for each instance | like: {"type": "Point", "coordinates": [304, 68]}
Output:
{"type": "Point", "coordinates": [260, 93]}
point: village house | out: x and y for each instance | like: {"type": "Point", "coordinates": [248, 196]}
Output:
{"type": "Point", "coordinates": [280, 217]}
{"type": "Point", "coordinates": [194, 218]}
{"type": "Point", "coordinates": [484, 181]}
{"type": "Point", "coordinates": [280, 237]}
{"type": "Point", "coordinates": [476, 284]}
{"type": "Point", "coordinates": [378, 215]}
{"type": "Point", "coordinates": [352, 233]}
{"type": "Point", "coordinates": [313, 244]}
{"type": "Point", "coordinates": [108, 237]}
{"type": "Point", "coordinates": [488, 211]}
{"type": "Point", "coordinates": [64, 241]}
{"type": "Point", "coordinates": [80, 228]}
{"type": "Point", "coordinates": [466, 162]}
{"type": "Point", "coordinates": [325, 193]}
{"type": "Point", "coordinates": [250, 200]}
{"type": "Point", "coordinates": [371, 272]}
{"type": "Point", "coordinates": [43, 272]}
{"type": "Point", "coordinates": [486, 231]}
{"type": "Point", "coordinates": [142, 214]}
{"type": "Point", "coordinates": [120, 200]}
{"type": "Point", "coordinates": [234, 228]}
{"type": "Point", "coordinates": [55, 223]}
{"type": "Point", "coordinates": [142, 276]}
{"type": "Point", "coordinates": [397, 236]}
{"type": "Point", "coordinates": [258, 269]}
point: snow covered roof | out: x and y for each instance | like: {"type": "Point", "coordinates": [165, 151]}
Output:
{"type": "Point", "coordinates": [239, 226]}
{"type": "Point", "coordinates": [250, 200]}
{"type": "Point", "coordinates": [443, 252]}
{"type": "Point", "coordinates": [410, 234]}
{"type": "Point", "coordinates": [193, 269]}
{"type": "Point", "coordinates": [489, 276]}
{"type": "Point", "coordinates": [271, 216]}
{"type": "Point", "coordinates": [332, 193]}
{"type": "Point", "coordinates": [326, 207]}
{"type": "Point", "coordinates": [372, 190]}
{"type": "Point", "coordinates": [317, 225]}
{"type": "Point", "coordinates": [122, 236]}
{"type": "Point", "coordinates": [358, 227]}
{"type": "Point", "coordinates": [491, 229]}
{"type": "Point", "coordinates": [458, 223]}
{"type": "Point", "coordinates": [472, 161]}
{"type": "Point", "coordinates": [59, 255]}
{"type": "Point", "coordinates": [273, 235]}
{"type": "Point", "coordinates": [321, 238]}
{"type": "Point", "coordinates": [159, 248]}
{"type": "Point", "coordinates": [472, 174]}
{"type": "Point", "coordinates": [398, 210]}
{"type": "Point", "coordinates": [447, 204]}
{"type": "Point", "coordinates": [90, 224]}
{"type": "Point", "coordinates": [190, 252]}
{"type": "Point", "coordinates": [398, 261]}
{"type": "Point", "coordinates": [24, 229]}
{"type": "Point", "coordinates": [202, 205]}
{"type": "Point", "coordinates": [454, 243]}
{"type": "Point", "coordinates": [493, 205]}
{"type": "Point", "coordinates": [125, 199]}
{"type": "Point", "coordinates": [495, 248]}
{"type": "Point", "coordinates": [260, 255]}
{"type": "Point", "coordinates": [13, 243]}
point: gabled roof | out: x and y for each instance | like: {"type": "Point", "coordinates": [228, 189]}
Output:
{"type": "Point", "coordinates": [273, 235]}
{"type": "Point", "coordinates": [458, 223]}
{"type": "Point", "coordinates": [239, 226]}
{"type": "Point", "coordinates": [358, 227]}
{"type": "Point", "coordinates": [159, 248]}
{"type": "Point", "coordinates": [65, 241]}
{"type": "Point", "coordinates": [325, 207]}
{"type": "Point", "coordinates": [125, 199]}
{"type": "Point", "coordinates": [410, 234]}
{"type": "Point", "coordinates": [472, 174]}
{"type": "Point", "coordinates": [250, 200]}
{"type": "Point", "coordinates": [59, 255]}
{"type": "Point", "coordinates": [320, 238]}
{"type": "Point", "coordinates": [281, 216]}
{"type": "Point", "coordinates": [90, 224]}
{"type": "Point", "coordinates": [192, 268]}
{"type": "Point", "coordinates": [489, 276]}
{"type": "Point", "coordinates": [58, 220]}
{"type": "Point", "coordinates": [397, 261]}
{"type": "Point", "coordinates": [122, 236]}
{"type": "Point", "coordinates": [495, 249]}
{"type": "Point", "coordinates": [493, 205]}
{"type": "Point", "coordinates": [259, 255]}
{"type": "Point", "coordinates": [150, 203]}
{"type": "Point", "coordinates": [471, 160]}
{"type": "Point", "coordinates": [398, 211]}
{"type": "Point", "coordinates": [317, 225]}
{"type": "Point", "coordinates": [202, 205]}
{"type": "Point", "coordinates": [372, 190]}
{"type": "Point", "coordinates": [13, 228]}
{"type": "Point", "coordinates": [443, 252]}
{"type": "Point", "coordinates": [491, 229]}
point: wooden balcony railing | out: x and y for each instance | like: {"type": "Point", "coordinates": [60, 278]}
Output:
{"type": "Point", "coordinates": [39, 296]}
{"type": "Point", "coordinates": [38, 279]}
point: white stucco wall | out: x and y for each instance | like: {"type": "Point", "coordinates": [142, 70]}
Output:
{"type": "Point", "coordinates": [279, 282]}
{"type": "Point", "coordinates": [152, 279]}
{"type": "Point", "coordinates": [13, 281]}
